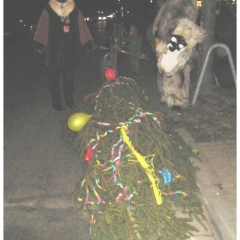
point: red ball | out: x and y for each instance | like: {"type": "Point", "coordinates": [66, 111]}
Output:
{"type": "Point", "coordinates": [110, 74]}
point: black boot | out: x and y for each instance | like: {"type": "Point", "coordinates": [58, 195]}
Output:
{"type": "Point", "coordinates": [58, 107]}
{"type": "Point", "coordinates": [70, 104]}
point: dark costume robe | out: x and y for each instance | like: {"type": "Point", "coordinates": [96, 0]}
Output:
{"type": "Point", "coordinates": [61, 47]}
{"type": "Point", "coordinates": [61, 35]}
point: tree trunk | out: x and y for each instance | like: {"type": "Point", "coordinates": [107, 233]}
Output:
{"type": "Point", "coordinates": [208, 14]}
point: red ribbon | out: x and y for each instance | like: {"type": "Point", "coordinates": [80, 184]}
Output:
{"type": "Point", "coordinates": [88, 155]}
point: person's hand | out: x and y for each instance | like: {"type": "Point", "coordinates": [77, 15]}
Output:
{"type": "Point", "coordinates": [91, 48]}
{"type": "Point", "coordinates": [37, 53]}
{"type": "Point", "coordinates": [38, 49]}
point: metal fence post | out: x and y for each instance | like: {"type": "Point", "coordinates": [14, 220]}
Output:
{"type": "Point", "coordinates": [205, 65]}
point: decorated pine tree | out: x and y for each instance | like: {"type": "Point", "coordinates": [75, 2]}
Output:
{"type": "Point", "coordinates": [139, 178]}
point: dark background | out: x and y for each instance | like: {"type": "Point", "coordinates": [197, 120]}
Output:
{"type": "Point", "coordinates": [89, 7]}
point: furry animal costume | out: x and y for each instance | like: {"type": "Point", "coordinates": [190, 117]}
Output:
{"type": "Point", "coordinates": [178, 35]}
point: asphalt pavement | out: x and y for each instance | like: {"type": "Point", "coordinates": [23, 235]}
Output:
{"type": "Point", "coordinates": [42, 170]}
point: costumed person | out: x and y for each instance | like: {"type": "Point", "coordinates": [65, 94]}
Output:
{"type": "Point", "coordinates": [62, 35]}
{"type": "Point", "coordinates": [134, 41]}
{"type": "Point", "coordinates": [178, 34]}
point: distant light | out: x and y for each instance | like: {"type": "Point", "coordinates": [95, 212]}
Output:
{"type": "Point", "coordinates": [199, 4]}
{"type": "Point", "coordinates": [21, 21]}
{"type": "Point", "coordinates": [151, 1]}
{"type": "Point", "coordinates": [102, 18]}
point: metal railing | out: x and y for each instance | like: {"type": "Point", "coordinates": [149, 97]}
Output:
{"type": "Point", "coordinates": [205, 65]}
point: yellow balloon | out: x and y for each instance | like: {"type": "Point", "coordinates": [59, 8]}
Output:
{"type": "Point", "coordinates": [77, 121]}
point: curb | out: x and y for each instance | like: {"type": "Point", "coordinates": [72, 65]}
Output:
{"type": "Point", "coordinates": [215, 204]}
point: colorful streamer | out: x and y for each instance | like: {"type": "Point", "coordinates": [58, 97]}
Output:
{"type": "Point", "coordinates": [150, 172]}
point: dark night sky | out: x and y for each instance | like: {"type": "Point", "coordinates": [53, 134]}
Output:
{"type": "Point", "coordinates": [34, 7]}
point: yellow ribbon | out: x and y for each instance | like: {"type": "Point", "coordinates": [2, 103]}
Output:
{"type": "Point", "coordinates": [150, 172]}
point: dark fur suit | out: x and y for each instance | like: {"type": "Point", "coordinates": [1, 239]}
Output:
{"type": "Point", "coordinates": [176, 17]}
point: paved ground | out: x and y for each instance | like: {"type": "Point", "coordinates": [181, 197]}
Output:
{"type": "Point", "coordinates": [41, 169]}
{"type": "Point", "coordinates": [217, 181]}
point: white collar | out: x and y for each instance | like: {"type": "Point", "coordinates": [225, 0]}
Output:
{"type": "Point", "coordinates": [62, 5]}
